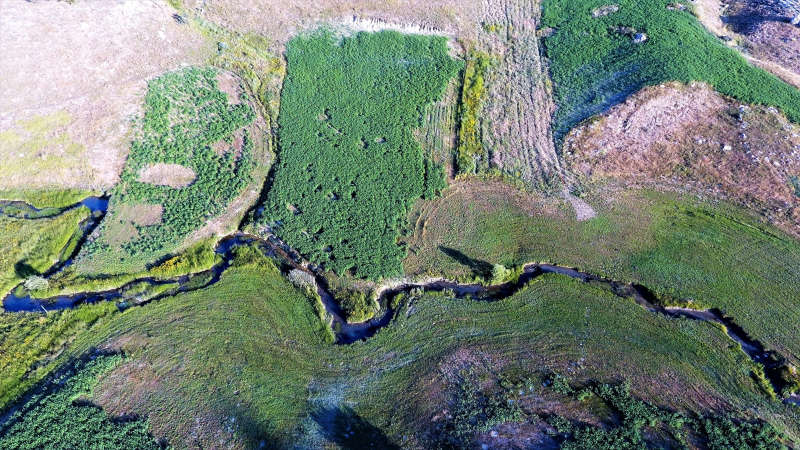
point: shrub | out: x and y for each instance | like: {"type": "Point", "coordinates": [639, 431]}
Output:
{"type": "Point", "coordinates": [357, 305]}
{"type": "Point", "coordinates": [36, 283]}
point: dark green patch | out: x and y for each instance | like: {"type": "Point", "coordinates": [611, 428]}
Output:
{"type": "Point", "coordinates": [349, 167]}
{"type": "Point", "coordinates": [66, 419]}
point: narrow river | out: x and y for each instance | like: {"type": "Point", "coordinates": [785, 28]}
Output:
{"type": "Point", "coordinates": [349, 333]}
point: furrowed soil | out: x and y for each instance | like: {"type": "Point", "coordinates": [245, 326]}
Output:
{"type": "Point", "coordinates": [515, 123]}
{"type": "Point", "coordinates": [72, 76]}
{"type": "Point", "coordinates": [689, 138]}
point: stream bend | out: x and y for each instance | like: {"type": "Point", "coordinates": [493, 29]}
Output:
{"type": "Point", "coordinates": [348, 333]}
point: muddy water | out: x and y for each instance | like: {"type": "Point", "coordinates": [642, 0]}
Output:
{"type": "Point", "coordinates": [348, 333]}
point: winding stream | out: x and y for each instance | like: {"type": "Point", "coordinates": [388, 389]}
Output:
{"type": "Point", "coordinates": [21, 210]}
{"type": "Point", "coordinates": [348, 333]}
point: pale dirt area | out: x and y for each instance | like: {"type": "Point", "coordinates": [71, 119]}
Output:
{"type": "Point", "coordinates": [139, 214]}
{"type": "Point", "coordinates": [172, 175]}
{"type": "Point", "coordinates": [691, 138]}
{"type": "Point", "coordinates": [280, 20]}
{"type": "Point", "coordinates": [90, 60]}
{"type": "Point", "coordinates": [583, 210]}
{"type": "Point", "coordinates": [760, 29]}
{"type": "Point", "coordinates": [516, 116]}
{"type": "Point", "coordinates": [229, 84]}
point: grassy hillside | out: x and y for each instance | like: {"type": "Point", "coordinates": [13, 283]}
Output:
{"type": "Point", "coordinates": [349, 167]}
{"type": "Point", "coordinates": [247, 363]}
{"type": "Point", "coordinates": [31, 342]}
{"type": "Point", "coordinates": [31, 246]}
{"type": "Point", "coordinates": [595, 62]}
{"type": "Point", "coordinates": [693, 251]}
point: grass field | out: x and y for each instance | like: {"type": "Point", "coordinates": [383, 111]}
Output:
{"type": "Point", "coordinates": [349, 167]}
{"type": "Point", "coordinates": [31, 342]}
{"type": "Point", "coordinates": [699, 252]}
{"type": "Point", "coordinates": [595, 62]}
{"type": "Point", "coordinates": [31, 246]}
{"type": "Point", "coordinates": [48, 198]}
{"type": "Point", "coordinates": [64, 419]}
{"type": "Point", "coordinates": [191, 159]}
{"type": "Point", "coordinates": [246, 363]}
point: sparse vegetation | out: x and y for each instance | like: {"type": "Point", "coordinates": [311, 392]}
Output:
{"type": "Point", "coordinates": [349, 167]}
{"type": "Point", "coordinates": [185, 115]}
{"type": "Point", "coordinates": [515, 118]}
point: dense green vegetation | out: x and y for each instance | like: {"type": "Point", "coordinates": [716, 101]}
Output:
{"type": "Point", "coordinates": [595, 62]}
{"type": "Point", "coordinates": [64, 419]}
{"type": "Point", "coordinates": [29, 247]}
{"type": "Point", "coordinates": [643, 425]}
{"type": "Point", "coordinates": [186, 114]}
{"type": "Point", "coordinates": [349, 167]}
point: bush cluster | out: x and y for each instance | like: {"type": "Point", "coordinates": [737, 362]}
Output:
{"type": "Point", "coordinates": [719, 432]}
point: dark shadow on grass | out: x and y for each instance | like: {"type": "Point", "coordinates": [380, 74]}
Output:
{"type": "Point", "coordinates": [350, 431]}
{"type": "Point", "coordinates": [24, 270]}
{"type": "Point", "coordinates": [479, 268]}
{"type": "Point", "coordinates": [748, 23]}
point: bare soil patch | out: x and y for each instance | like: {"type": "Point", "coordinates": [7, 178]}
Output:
{"type": "Point", "coordinates": [91, 60]}
{"type": "Point", "coordinates": [172, 175]}
{"type": "Point", "coordinates": [140, 214]}
{"type": "Point", "coordinates": [229, 84]}
{"type": "Point", "coordinates": [691, 138]}
{"type": "Point", "coordinates": [761, 29]}
{"type": "Point", "coordinates": [279, 21]}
